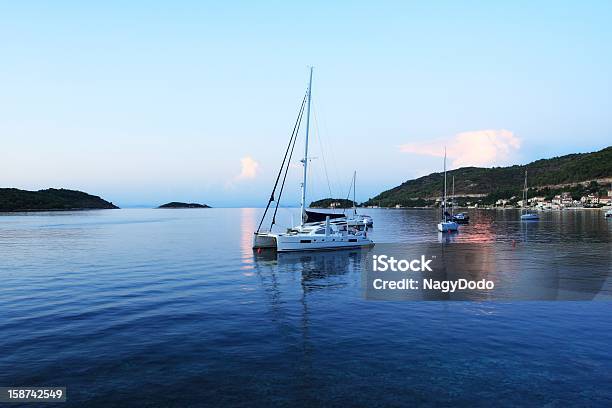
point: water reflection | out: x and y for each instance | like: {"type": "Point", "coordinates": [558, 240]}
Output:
{"type": "Point", "coordinates": [187, 296]}
{"type": "Point", "coordinates": [248, 225]}
{"type": "Point", "coordinates": [317, 272]}
{"type": "Point", "coordinates": [316, 269]}
{"type": "Point", "coordinates": [561, 256]}
{"type": "Point", "coordinates": [448, 237]}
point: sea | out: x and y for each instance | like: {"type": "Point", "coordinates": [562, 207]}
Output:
{"type": "Point", "coordinates": [173, 308]}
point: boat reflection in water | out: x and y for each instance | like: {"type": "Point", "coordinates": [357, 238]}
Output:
{"type": "Point", "coordinates": [317, 269]}
{"type": "Point", "coordinates": [519, 271]}
{"type": "Point", "coordinates": [526, 261]}
{"type": "Point", "coordinates": [447, 238]}
{"type": "Point", "coordinates": [322, 277]}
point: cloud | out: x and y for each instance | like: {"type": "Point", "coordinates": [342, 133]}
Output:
{"type": "Point", "coordinates": [249, 168]}
{"type": "Point", "coordinates": [474, 148]}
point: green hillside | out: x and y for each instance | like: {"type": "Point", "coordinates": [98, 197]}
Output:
{"type": "Point", "coordinates": [504, 182]}
{"type": "Point", "coordinates": [13, 199]}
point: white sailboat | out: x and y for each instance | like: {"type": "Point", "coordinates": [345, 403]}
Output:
{"type": "Point", "coordinates": [526, 214]}
{"type": "Point", "coordinates": [324, 235]}
{"type": "Point", "coordinates": [354, 219]}
{"type": "Point", "coordinates": [446, 224]}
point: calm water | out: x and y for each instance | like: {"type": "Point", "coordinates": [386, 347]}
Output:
{"type": "Point", "coordinates": [172, 308]}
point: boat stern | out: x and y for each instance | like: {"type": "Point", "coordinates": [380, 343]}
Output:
{"type": "Point", "coordinates": [448, 226]}
{"type": "Point", "coordinates": [264, 240]}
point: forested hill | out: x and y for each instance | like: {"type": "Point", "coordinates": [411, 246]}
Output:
{"type": "Point", "coordinates": [501, 181]}
{"type": "Point", "coordinates": [332, 203]}
{"type": "Point", "coordinates": [177, 204]}
{"type": "Point", "coordinates": [13, 199]}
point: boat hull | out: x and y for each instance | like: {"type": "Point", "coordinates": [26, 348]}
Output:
{"type": "Point", "coordinates": [530, 217]}
{"type": "Point", "coordinates": [448, 226]}
{"type": "Point", "coordinates": [286, 243]}
{"type": "Point", "coordinates": [264, 240]}
{"type": "Point", "coordinates": [461, 218]}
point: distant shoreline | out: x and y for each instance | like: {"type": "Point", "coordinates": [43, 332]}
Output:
{"type": "Point", "coordinates": [29, 210]}
{"type": "Point", "coordinates": [294, 208]}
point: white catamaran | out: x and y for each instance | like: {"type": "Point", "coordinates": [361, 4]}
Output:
{"type": "Point", "coordinates": [446, 224]}
{"type": "Point", "coordinates": [319, 235]}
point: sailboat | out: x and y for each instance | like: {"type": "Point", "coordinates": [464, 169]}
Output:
{"type": "Point", "coordinates": [526, 214]}
{"type": "Point", "coordinates": [352, 219]}
{"type": "Point", "coordinates": [308, 236]}
{"type": "Point", "coordinates": [355, 219]}
{"type": "Point", "coordinates": [446, 224]}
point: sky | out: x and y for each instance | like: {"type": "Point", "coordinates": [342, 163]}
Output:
{"type": "Point", "coordinates": [150, 102]}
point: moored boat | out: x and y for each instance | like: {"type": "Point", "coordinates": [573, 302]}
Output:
{"type": "Point", "coordinates": [446, 224]}
{"type": "Point", "coordinates": [308, 236]}
{"type": "Point", "coordinates": [530, 216]}
{"type": "Point", "coordinates": [359, 220]}
{"type": "Point", "coordinates": [461, 218]}
{"type": "Point", "coordinates": [527, 214]}
{"type": "Point", "coordinates": [352, 219]}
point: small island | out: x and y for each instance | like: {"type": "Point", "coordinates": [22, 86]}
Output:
{"type": "Point", "coordinates": [176, 204]}
{"type": "Point", "coordinates": [52, 199]}
{"type": "Point", "coordinates": [332, 203]}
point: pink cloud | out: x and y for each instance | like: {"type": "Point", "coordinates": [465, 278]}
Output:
{"type": "Point", "coordinates": [249, 168]}
{"type": "Point", "coordinates": [474, 148]}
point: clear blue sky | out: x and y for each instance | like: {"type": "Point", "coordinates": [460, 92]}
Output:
{"type": "Point", "coordinates": [151, 102]}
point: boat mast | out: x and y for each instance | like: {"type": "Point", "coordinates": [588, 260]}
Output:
{"type": "Point", "coordinates": [453, 198]}
{"type": "Point", "coordinates": [525, 191]}
{"type": "Point", "coordinates": [444, 206]}
{"type": "Point", "coordinates": [354, 187]}
{"type": "Point", "coordinates": [305, 160]}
